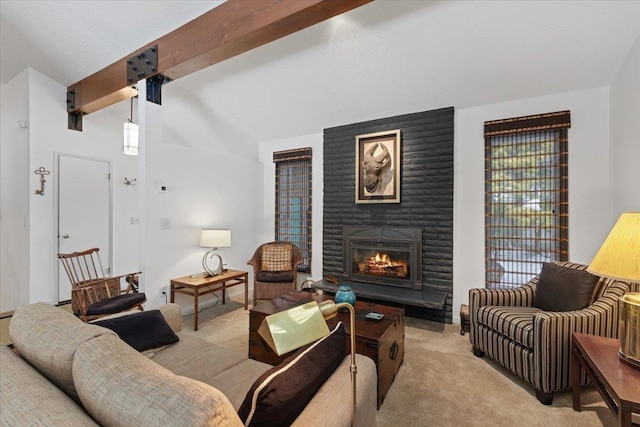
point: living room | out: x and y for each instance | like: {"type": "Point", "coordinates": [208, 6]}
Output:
{"type": "Point", "coordinates": [218, 170]}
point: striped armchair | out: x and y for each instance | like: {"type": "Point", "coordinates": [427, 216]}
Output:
{"type": "Point", "coordinates": [535, 344]}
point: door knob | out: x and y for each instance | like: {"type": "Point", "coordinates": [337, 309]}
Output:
{"type": "Point", "coordinates": [65, 236]}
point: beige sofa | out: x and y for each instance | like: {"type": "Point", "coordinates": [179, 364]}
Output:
{"type": "Point", "coordinates": [65, 372]}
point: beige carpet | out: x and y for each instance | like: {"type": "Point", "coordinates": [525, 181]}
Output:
{"type": "Point", "coordinates": [440, 383]}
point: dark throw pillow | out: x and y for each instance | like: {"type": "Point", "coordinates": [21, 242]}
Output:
{"type": "Point", "coordinates": [142, 331]}
{"type": "Point", "coordinates": [564, 289]}
{"type": "Point", "coordinates": [282, 393]}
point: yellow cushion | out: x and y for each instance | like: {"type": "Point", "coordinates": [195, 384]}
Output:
{"type": "Point", "coordinates": [276, 257]}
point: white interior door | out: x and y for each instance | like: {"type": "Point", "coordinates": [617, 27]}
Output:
{"type": "Point", "coordinates": [84, 211]}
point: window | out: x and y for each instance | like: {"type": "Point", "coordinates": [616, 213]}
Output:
{"type": "Point", "coordinates": [526, 201]}
{"type": "Point", "coordinates": [293, 201]}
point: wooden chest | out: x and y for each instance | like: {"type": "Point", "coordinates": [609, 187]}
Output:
{"type": "Point", "coordinates": [382, 341]}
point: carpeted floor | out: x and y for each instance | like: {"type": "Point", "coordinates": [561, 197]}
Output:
{"type": "Point", "coordinates": [440, 383]}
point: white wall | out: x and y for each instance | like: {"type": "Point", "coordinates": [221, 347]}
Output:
{"type": "Point", "coordinates": [15, 194]}
{"type": "Point", "coordinates": [266, 150]}
{"type": "Point", "coordinates": [48, 134]}
{"type": "Point", "coordinates": [625, 136]}
{"type": "Point", "coordinates": [589, 180]}
{"type": "Point", "coordinates": [207, 187]}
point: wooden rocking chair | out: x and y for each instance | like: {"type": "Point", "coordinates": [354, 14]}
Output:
{"type": "Point", "coordinates": [92, 294]}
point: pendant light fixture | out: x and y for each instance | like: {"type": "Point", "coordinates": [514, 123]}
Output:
{"type": "Point", "coordinates": [130, 146]}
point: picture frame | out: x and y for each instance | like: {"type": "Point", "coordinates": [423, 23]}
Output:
{"type": "Point", "coordinates": [378, 167]}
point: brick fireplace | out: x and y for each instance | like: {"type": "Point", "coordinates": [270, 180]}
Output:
{"type": "Point", "coordinates": [426, 204]}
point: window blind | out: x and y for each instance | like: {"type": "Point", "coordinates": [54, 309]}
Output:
{"type": "Point", "coordinates": [526, 196]}
{"type": "Point", "coordinates": [293, 200]}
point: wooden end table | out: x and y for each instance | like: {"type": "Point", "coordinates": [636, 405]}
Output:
{"type": "Point", "coordinates": [617, 383]}
{"type": "Point", "coordinates": [382, 341]}
{"type": "Point", "coordinates": [203, 285]}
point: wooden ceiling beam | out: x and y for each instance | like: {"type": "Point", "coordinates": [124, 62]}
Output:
{"type": "Point", "coordinates": [232, 28]}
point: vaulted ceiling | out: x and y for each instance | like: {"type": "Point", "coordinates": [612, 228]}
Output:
{"type": "Point", "coordinates": [381, 59]}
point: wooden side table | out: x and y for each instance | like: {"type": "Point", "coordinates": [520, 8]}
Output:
{"type": "Point", "coordinates": [464, 319]}
{"type": "Point", "coordinates": [617, 383]}
{"type": "Point", "coordinates": [203, 285]}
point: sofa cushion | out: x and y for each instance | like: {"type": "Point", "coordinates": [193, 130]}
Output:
{"type": "Point", "coordinates": [276, 257]}
{"type": "Point", "coordinates": [198, 365]}
{"type": "Point", "coordinates": [513, 322]}
{"type": "Point", "coordinates": [279, 395]}
{"type": "Point", "coordinates": [142, 330]}
{"type": "Point", "coordinates": [235, 381]}
{"type": "Point", "coordinates": [47, 337]}
{"type": "Point", "coordinates": [119, 386]}
{"type": "Point", "coordinates": [28, 398]}
{"type": "Point", "coordinates": [562, 288]}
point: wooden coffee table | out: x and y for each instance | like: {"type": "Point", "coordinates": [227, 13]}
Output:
{"type": "Point", "coordinates": [382, 341]}
{"type": "Point", "coordinates": [203, 285]}
{"type": "Point", "coordinates": [618, 383]}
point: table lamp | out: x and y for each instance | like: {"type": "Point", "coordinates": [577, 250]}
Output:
{"type": "Point", "coordinates": [619, 258]}
{"type": "Point", "coordinates": [214, 239]}
{"type": "Point", "coordinates": [291, 329]}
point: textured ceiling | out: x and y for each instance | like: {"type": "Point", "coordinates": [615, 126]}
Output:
{"type": "Point", "coordinates": [382, 59]}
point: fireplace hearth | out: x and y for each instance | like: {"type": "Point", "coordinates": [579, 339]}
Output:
{"type": "Point", "coordinates": [389, 256]}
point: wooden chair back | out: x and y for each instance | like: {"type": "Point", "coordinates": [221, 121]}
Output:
{"type": "Point", "coordinates": [82, 267]}
{"type": "Point", "coordinates": [89, 285]}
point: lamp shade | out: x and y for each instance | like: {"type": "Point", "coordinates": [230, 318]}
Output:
{"type": "Point", "coordinates": [215, 238]}
{"type": "Point", "coordinates": [619, 255]}
{"type": "Point", "coordinates": [291, 329]}
{"type": "Point", "coordinates": [130, 146]}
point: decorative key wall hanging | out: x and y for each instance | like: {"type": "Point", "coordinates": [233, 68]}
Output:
{"type": "Point", "coordinates": [42, 172]}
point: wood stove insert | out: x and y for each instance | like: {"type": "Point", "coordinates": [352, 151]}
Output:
{"type": "Point", "coordinates": [388, 256]}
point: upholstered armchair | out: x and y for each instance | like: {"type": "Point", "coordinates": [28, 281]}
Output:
{"type": "Point", "coordinates": [534, 343]}
{"type": "Point", "coordinates": [275, 267]}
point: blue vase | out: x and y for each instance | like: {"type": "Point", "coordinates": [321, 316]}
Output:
{"type": "Point", "coordinates": [345, 294]}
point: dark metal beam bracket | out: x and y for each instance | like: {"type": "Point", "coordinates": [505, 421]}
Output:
{"type": "Point", "coordinates": [154, 88]}
{"type": "Point", "coordinates": [74, 121]}
{"type": "Point", "coordinates": [143, 65]}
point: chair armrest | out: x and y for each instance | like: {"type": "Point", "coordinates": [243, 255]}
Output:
{"type": "Point", "coordinates": [331, 405]}
{"type": "Point", "coordinates": [129, 287]}
{"type": "Point", "coordinates": [479, 297]}
{"type": "Point", "coordinates": [296, 259]}
{"type": "Point", "coordinates": [172, 313]}
{"type": "Point", "coordinates": [518, 297]}
{"type": "Point", "coordinates": [80, 300]}
{"type": "Point", "coordinates": [553, 336]}
{"type": "Point", "coordinates": [600, 318]}
{"type": "Point", "coordinates": [256, 260]}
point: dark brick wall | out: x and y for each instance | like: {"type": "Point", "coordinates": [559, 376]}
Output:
{"type": "Point", "coordinates": [426, 193]}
